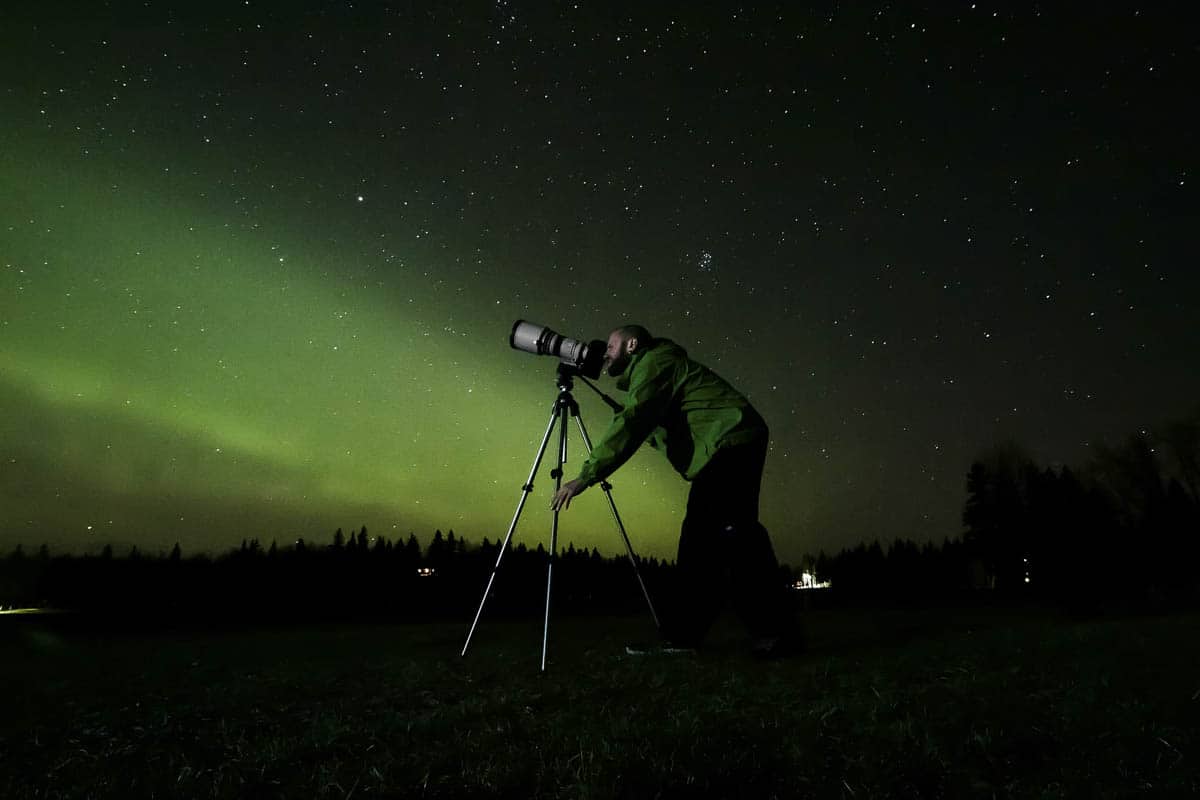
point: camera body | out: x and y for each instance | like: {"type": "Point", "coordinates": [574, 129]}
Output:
{"type": "Point", "coordinates": [585, 357]}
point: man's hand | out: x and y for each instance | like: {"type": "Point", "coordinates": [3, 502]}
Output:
{"type": "Point", "coordinates": [562, 498]}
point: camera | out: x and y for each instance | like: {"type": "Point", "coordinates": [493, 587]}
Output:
{"type": "Point", "coordinates": [585, 357]}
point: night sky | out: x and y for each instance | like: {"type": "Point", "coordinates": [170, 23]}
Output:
{"type": "Point", "coordinates": [259, 261]}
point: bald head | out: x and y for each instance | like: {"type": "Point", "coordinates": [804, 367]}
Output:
{"type": "Point", "coordinates": [623, 342]}
{"type": "Point", "coordinates": [634, 332]}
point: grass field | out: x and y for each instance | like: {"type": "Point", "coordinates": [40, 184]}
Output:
{"type": "Point", "coordinates": [886, 704]}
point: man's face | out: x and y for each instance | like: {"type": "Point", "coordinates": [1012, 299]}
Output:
{"type": "Point", "coordinates": [616, 356]}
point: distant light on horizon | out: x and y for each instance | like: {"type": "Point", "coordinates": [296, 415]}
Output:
{"type": "Point", "coordinates": [808, 580]}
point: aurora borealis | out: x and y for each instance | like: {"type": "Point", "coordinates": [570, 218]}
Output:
{"type": "Point", "coordinates": [260, 261]}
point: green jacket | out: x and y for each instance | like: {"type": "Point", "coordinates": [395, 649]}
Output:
{"type": "Point", "coordinates": [678, 405]}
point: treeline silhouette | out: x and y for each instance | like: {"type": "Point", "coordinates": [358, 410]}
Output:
{"type": "Point", "coordinates": [902, 573]}
{"type": "Point", "coordinates": [352, 577]}
{"type": "Point", "coordinates": [1124, 527]}
{"type": "Point", "coordinates": [1122, 531]}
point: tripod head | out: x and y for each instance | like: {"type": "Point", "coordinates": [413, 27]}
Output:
{"type": "Point", "coordinates": [566, 375]}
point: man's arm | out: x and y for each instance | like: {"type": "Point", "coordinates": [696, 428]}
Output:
{"type": "Point", "coordinates": [648, 399]}
{"type": "Point", "coordinates": [562, 498]}
{"type": "Point", "coordinates": [646, 404]}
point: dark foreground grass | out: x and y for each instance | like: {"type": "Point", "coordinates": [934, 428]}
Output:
{"type": "Point", "coordinates": [898, 704]}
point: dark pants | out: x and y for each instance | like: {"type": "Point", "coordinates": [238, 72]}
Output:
{"type": "Point", "coordinates": [725, 554]}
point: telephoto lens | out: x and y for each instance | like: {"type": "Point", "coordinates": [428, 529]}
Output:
{"type": "Point", "coordinates": [586, 357]}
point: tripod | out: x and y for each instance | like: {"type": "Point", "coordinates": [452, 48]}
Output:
{"type": "Point", "coordinates": [564, 406]}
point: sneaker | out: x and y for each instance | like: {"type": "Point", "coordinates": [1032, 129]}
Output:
{"type": "Point", "coordinates": [659, 649]}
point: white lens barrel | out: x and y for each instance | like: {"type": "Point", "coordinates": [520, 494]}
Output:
{"type": "Point", "coordinates": [528, 337]}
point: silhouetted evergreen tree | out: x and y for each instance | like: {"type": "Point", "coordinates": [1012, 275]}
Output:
{"type": "Point", "coordinates": [412, 551]}
{"type": "Point", "coordinates": [1181, 440]}
{"type": "Point", "coordinates": [996, 514]}
{"type": "Point", "coordinates": [435, 554]}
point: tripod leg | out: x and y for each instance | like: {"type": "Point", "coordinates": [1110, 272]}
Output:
{"type": "Point", "coordinates": [525, 490]}
{"type": "Point", "coordinates": [620, 527]}
{"type": "Point", "coordinates": [558, 473]}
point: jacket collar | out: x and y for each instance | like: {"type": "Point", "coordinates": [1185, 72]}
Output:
{"type": "Point", "coordinates": [623, 378]}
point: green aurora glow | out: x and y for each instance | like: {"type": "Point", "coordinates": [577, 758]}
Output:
{"type": "Point", "coordinates": [259, 261]}
{"type": "Point", "coordinates": [174, 377]}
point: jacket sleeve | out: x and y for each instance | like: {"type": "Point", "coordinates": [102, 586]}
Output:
{"type": "Point", "coordinates": [649, 397]}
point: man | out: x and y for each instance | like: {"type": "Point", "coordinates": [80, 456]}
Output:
{"type": "Point", "coordinates": [714, 438]}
